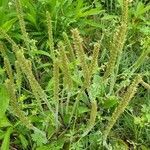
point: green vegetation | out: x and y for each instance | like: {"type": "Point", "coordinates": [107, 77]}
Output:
{"type": "Point", "coordinates": [74, 75]}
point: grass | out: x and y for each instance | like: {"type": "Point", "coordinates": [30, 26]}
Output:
{"type": "Point", "coordinates": [74, 75]}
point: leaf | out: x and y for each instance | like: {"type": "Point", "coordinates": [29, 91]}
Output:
{"type": "Point", "coordinates": [2, 134]}
{"type": "Point", "coordinates": [141, 9]}
{"type": "Point", "coordinates": [77, 78]}
{"type": "Point", "coordinates": [31, 19]}
{"type": "Point", "coordinates": [90, 12]}
{"type": "Point", "coordinates": [82, 109]}
{"type": "Point", "coordinates": [6, 141]}
{"type": "Point", "coordinates": [4, 3]}
{"type": "Point", "coordinates": [92, 119]}
{"type": "Point", "coordinates": [4, 101]}
{"type": "Point", "coordinates": [109, 17]}
{"type": "Point", "coordinates": [147, 116]}
{"type": "Point", "coordinates": [39, 137]}
{"type": "Point", "coordinates": [46, 65]}
{"type": "Point", "coordinates": [8, 25]}
{"type": "Point", "coordinates": [43, 148]}
{"type": "Point", "coordinates": [110, 102]}
{"type": "Point", "coordinates": [120, 3]}
{"type": "Point", "coordinates": [119, 144]}
{"type": "Point", "coordinates": [56, 145]}
{"type": "Point", "coordinates": [4, 122]}
{"type": "Point", "coordinates": [94, 24]}
{"type": "Point", "coordinates": [145, 30]}
{"type": "Point", "coordinates": [2, 72]}
{"type": "Point", "coordinates": [23, 141]}
{"type": "Point", "coordinates": [40, 52]}
{"type": "Point", "coordinates": [97, 88]}
{"type": "Point", "coordinates": [143, 147]}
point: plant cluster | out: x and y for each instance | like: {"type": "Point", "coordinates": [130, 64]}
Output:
{"type": "Point", "coordinates": [58, 92]}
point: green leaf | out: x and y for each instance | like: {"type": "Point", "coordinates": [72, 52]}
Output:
{"type": "Point", "coordinates": [56, 145]}
{"type": "Point", "coordinates": [6, 141]}
{"type": "Point", "coordinates": [1, 71]}
{"type": "Point", "coordinates": [24, 141]}
{"type": "Point", "coordinates": [46, 65]}
{"type": "Point", "coordinates": [109, 17]}
{"type": "Point", "coordinates": [8, 25]}
{"type": "Point", "coordinates": [31, 19]}
{"type": "Point", "coordinates": [120, 3]}
{"type": "Point", "coordinates": [40, 52]}
{"type": "Point", "coordinates": [94, 24]}
{"type": "Point", "coordinates": [4, 101]}
{"type": "Point", "coordinates": [39, 137]}
{"type": "Point", "coordinates": [4, 3]}
{"type": "Point", "coordinates": [119, 144]}
{"type": "Point", "coordinates": [97, 88]}
{"type": "Point", "coordinates": [43, 148]}
{"type": "Point", "coordinates": [90, 12]}
{"type": "Point", "coordinates": [143, 147]}
{"type": "Point", "coordinates": [2, 134]}
{"type": "Point", "coordinates": [145, 30]}
{"type": "Point", "coordinates": [82, 109]}
{"type": "Point", "coordinates": [141, 9]}
{"type": "Point", "coordinates": [147, 116]}
{"type": "Point", "coordinates": [110, 102]}
{"type": "Point", "coordinates": [4, 122]}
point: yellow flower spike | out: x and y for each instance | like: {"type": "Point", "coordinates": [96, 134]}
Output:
{"type": "Point", "coordinates": [125, 11]}
{"type": "Point", "coordinates": [7, 37]}
{"type": "Point", "coordinates": [2, 50]}
{"type": "Point", "coordinates": [69, 46]}
{"type": "Point", "coordinates": [116, 46]}
{"type": "Point", "coordinates": [8, 69]}
{"type": "Point", "coordinates": [92, 119]}
{"type": "Point", "coordinates": [116, 49]}
{"type": "Point", "coordinates": [56, 90]}
{"type": "Point", "coordinates": [19, 10]}
{"type": "Point", "coordinates": [94, 62]}
{"type": "Point", "coordinates": [50, 33]}
{"type": "Point", "coordinates": [78, 45]}
{"type": "Point", "coordinates": [38, 92]}
{"type": "Point", "coordinates": [65, 67]}
{"type": "Point", "coordinates": [145, 85]}
{"type": "Point", "coordinates": [122, 105]}
{"type": "Point", "coordinates": [18, 75]}
{"type": "Point", "coordinates": [15, 106]}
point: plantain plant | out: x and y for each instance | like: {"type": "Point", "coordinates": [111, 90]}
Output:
{"type": "Point", "coordinates": [62, 98]}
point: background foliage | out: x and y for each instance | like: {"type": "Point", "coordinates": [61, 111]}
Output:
{"type": "Point", "coordinates": [97, 22]}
